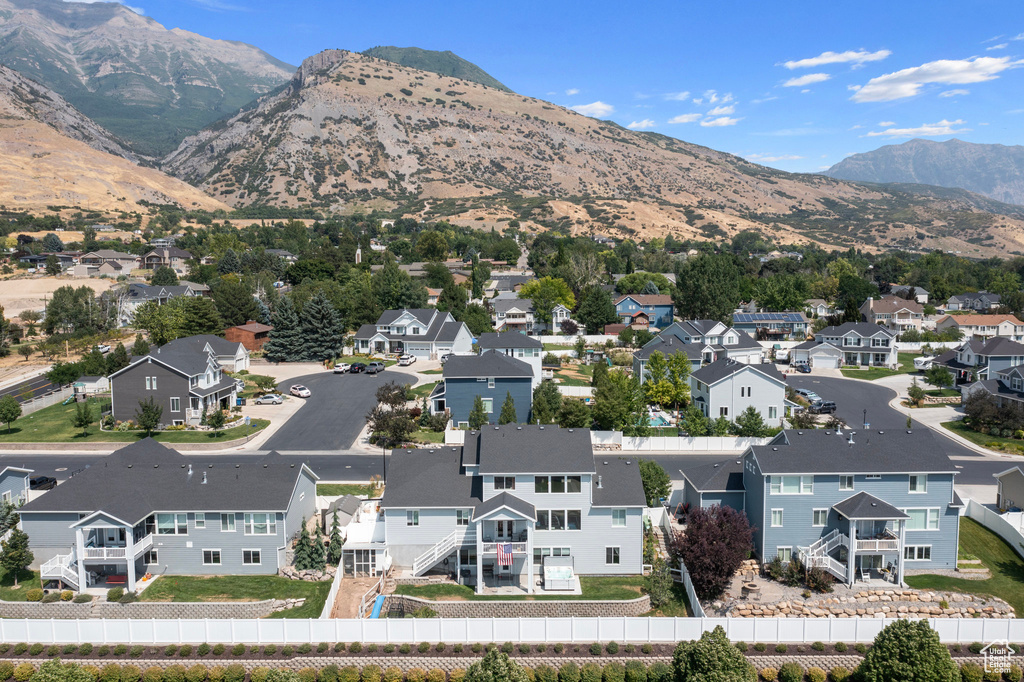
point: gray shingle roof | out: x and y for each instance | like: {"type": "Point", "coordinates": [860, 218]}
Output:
{"type": "Point", "coordinates": [503, 305]}
{"type": "Point", "coordinates": [505, 499]}
{"type": "Point", "coordinates": [146, 476]}
{"type": "Point", "coordinates": [670, 345]}
{"type": "Point", "coordinates": [863, 329]}
{"type": "Point", "coordinates": [449, 331]}
{"type": "Point", "coordinates": [620, 483]}
{"type": "Point", "coordinates": [725, 367]}
{"type": "Point", "coordinates": [873, 452]}
{"type": "Point", "coordinates": [183, 358]}
{"type": "Point", "coordinates": [726, 475]}
{"type": "Point", "coordinates": [430, 478]}
{"type": "Point", "coordinates": [487, 364]}
{"type": "Point", "coordinates": [864, 506]}
{"type": "Point", "coordinates": [423, 315]}
{"type": "Point", "coordinates": [530, 449]}
{"type": "Point", "coordinates": [196, 344]}
{"type": "Point", "coordinates": [508, 340]}
{"type": "Point", "coordinates": [1001, 345]}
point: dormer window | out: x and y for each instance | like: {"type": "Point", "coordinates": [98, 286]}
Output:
{"type": "Point", "coordinates": [416, 331]}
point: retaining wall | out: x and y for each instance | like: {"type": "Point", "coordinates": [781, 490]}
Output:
{"type": "Point", "coordinates": [522, 609]}
{"type": "Point", "coordinates": [138, 610]}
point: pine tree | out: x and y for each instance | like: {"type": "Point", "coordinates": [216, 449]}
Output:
{"type": "Point", "coordinates": [199, 316]}
{"type": "Point", "coordinates": [334, 550]}
{"type": "Point", "coordinates": [304, 549]}
{"type": "Point", "coordinates": [15, 555]}
{"type": "Point", "coordinates": [322, 330]}
{"type": "Point", "coordinates": [477, 416]}
{"type": "Point", "coordinates": [285, 341]}
{"type": "Point", "coordinates": [547, 402]}
{"type": "Point", "coordinates": [235, 302]}
{"type": "Point", "coordinates": [229, 263]}
{"type": "Point", "coordinates": [117, 360]}
{"type": "Point", "coordinates": [148, 415]}
{"type": "Point", "coordinates": [318, 555]}
{"type": "Point", "coordinates": [164, 277]}
{"type": "Point", "coordinates": [82, 417]}
{"type": "Point", "coordinates": [508, 410]}
{"type": "Point", "coordinates": [140, 347]}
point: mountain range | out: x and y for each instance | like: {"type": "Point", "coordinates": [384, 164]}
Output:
{"type": "Point", "coordinates": [995, 170]}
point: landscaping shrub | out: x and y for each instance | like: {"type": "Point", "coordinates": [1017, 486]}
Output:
{"type": "Point", "coordinates": [769, 674]}
{"type": "Point", "coordinates": [349, 673]}
{"type": "Point", "coordinates": [590, 672]}
{"type": "Point", "coordinates": [269, 650]}
{"type": "Point", "coordinates": [131, 673]}
{"type": "Point", "coordinates": [307, 675]}
{"type": "Point", "coordinates": [393, 674]}
{"type": "Point", "coordinates": [405, 648]}
{"type": "Point", "coordinates": [287, 651]}
{"type": "Point", "coordinates": [36, 649]}
{"type": "Point", "coordinates": [791, 672]}
{"type": "Point", "coordinates": [477, 647]}
{"type": "Point", "coordinates": [84, 649]}
{"type": "Point", "coordinates": [524, 648]}
{"type": "Point", "coordinates": [528, 671]}
{"type": "Point", "coordinates": [860, 648]}
{"type": "Point", "coordinates": [35, 594]}
{"type": "Point", "coordinates": [416, 675]}
{"type": "Point", "coordinates": [259, 675]}
{"type": "Point", "coordinates": [238, 650]}
{"type": "Point", "coordinates": [596, 649]}
{"type": "Point", "coordinates": [975, 647]}
{"type": "Point", "coordinates": [120, 649]}
{"type": "Point", "coordinates": [457, 675]}
{"type": "Point", "coordinates": [329, 673]}
{"type": "Point", "coordinates": [6, 670]}
{"type": "Point", "coordinates": [371, 648]}
{"type": "Point", "coordinates": [971, 672]}
{"type": "Point", "coordinates": [93, 671]}
{"type": "Point", "coordinates": [815, 674]}
{"type": "Point", "coordinates": [841, 647]}
{"type": "Point", "coordinates": [781, 648]}
{"type": "Point", "coordinates": [839, 674]}
{"type": "Point", "coordinates": [322, 647]}
{"type": "Point", "coordinates": [50, 597]}
{"type": "Point", "coordinates": [153, 674]}
{"type": "Point", "coordinates": [6, 646]}
{"type": "Point", "coordinates": [507, 648]}
{"type": "Point", "coordinates": [185, 650]}
{"type": "Point", "coordinates": [740, 646]}
{"type": "Point", "coordinates": [614, 672]}
{"type": "Point", "coordinates": [1015, 674]}
{"type": "Point", "coordinates": [174, 673]}
{"type": "Point", "coordinates": [818, 646]}
{"type": "Point", "coordinates": [203, 649]}
{"type": "Point", "coordinates": [20, 648]}
{"type": "Point", "coordinates": [559, 648]}
{"type": "Point", "coordinates": [636, 672]}
{"type": "Point", "coordinates": [388, 648]}
{"type": "Point", "coordinates": [67, 595]}
{"type": "Point", "coordinates": [111, 672]}
{"type": "Point", "coordinates": [339, 647]}
{"type": "Point", "coordinates": [52, 650]}
{"type": "Point", "coordinates": [440, 646]}
{"type": "Point", "coordinates": [197, 673]}
{"type": "Point", "coordinates": [66, 649]}
{"type": "Point", "coordinates": [760, 646]}
{"type": "Point", "coordinates": [371, 673]}
{"type": "Point", "coordinates": [907, 650]}
{"type": "Point", "coordinates": [170, 650]}
{"type": "Point", "coordinates": [569, 672]}
{"type": "Point", "coordinates": [304, 648]}
{"type": "Point", "coordinates": [646, 648]}
{"type": "Point", "coordinates": [660, 672]}
{"type": "Point", "coordinates": [436, 675]}
{"type": "Point", "coordinates": [612, 648]}
{"type": "Point", "coordinates": [23, 672]}
{"type": "Point", "coordinates": [541, 648]}
{"type": "Point", "coordinates": [820, 580]}
{"type": "Point", "coordinates": [82, 599]}
{"type": "Point", "coordinates": [545, 673]}
{"type": "Point", "coordinates": [115, 593]}
{"type": "Point", "coordinates": [712, 656]}
{"type": "Point", "coordinates": [234, 673]}
{"type": "Point", "coordinates": [423, 647]}
{"type": "Point", "coordinates": [355, 647]}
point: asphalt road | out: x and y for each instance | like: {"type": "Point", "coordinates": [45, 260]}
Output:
{"type": "Point", "coordinates": [333, 415]}
{"type": "Point", "coordinates": [30, 388]}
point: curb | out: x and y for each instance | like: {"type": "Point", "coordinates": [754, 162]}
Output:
{"type": "Point", "coordinates": [86, 448]}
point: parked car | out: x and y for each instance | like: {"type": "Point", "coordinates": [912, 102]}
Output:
{"type": "Point", "coordinates": [823, 407]}
{"type": "Point", "coordinates": [270, 399]}
{"type": "Point", "coordinates": [300, 391]}
{"type": "Point", "coordinates": [375, 367]}
{"type": "Point", "coordinates": [342, 368]}
{"type": "Point", "coordinates": [808, 394]}
{"type": "Point", "coordinates": [803, 367]}
{"type": "Point", "coordinates": [357, 367]}
{"type": "Point", "coordinates": [103, 348]}
{"type": "Point", "coordinates": [444, 358]}
{"type": "Point", "coordinates": [923, 364]}
{"type": "Point", "coordinates": [406, 360]}
{"type": "Point", "coordinates": [42, 483]}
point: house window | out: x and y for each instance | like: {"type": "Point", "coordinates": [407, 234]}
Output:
{"type": "Point", "coordinates": [211, 557]}
{"type": "Point", "coordinates": [557, 484]}
{"type": "Point", "coordinates": [776, 518]}
{"type": "Point", "coordinates": [723, 411]}
{"type": "Point", "coordinates": [611, 555]}
{"type": "Point", "coordinates": [873, 477]}
{"type": "Point", "coordinates": [846, 482]}
{"type": "Point", "coordinates": [488, 405]}
{"type": "Point", "coordinates": [200, 520]}
{"type": "Point", "coordinates": [574, 518]}
{"type": "Point", "coordinates": [175, 404]}
{"type": "Point", "coordinates": [467, 557]}
{"type": "Point", "coordinates": [543, 520]}
{"type": "Point", "coordinates": [227, 523]}
{"type": "Point", "coordinates": [773, 412]}
{"type": "Point", "coordinates": [540, 484]}
{"type": "Point", "coordinates": [172, 524]}
{"type": "Point", "coordinates": [618, 518]}
{"type": "Point", "coordinates": [490, 382]}
{"type": "Point", "coordinates": [504, 482]}
{"type": "Point", "coordinates": [149, 558]}
{"type": "Point", "coordinates": [819, 517]}
{"type": "Point", "coordinates": [792, 485]}
{"type": "Point", "coordinates": [462, 516]}
{"type": "Point", "coordinates": [540, 552]}
{"type": "Point", "coordinates": [918, 483]}
{"type": "Point", "coordinates": [412, 517]}
{"type": "Point", "coordinates": [7, 496]}
{"type": "Point", "coordinates": [557, 519]}
{"type": "Point", "coordinates": [261, 524]}
{"type": "Point", "coordinates": [251, 557]}
{"type": "Point", "coordinates": [922, 519]}
{"type": "Point", "coordinates": [785, 554]}
{"type": "Point", "coordinates": [917, 552]}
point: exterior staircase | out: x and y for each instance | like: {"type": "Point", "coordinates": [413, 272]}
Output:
{"type": "Point", "coordinates": [62, 567]}
{"type": "Point", "coordinates": [443, 548]}
{"type": "Point", "coordinates": [817, 554]}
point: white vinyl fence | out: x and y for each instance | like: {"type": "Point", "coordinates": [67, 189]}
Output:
{"type": "Point", "coordinates": [915, 346]}
{"type": "Point", "coordinates": [997, 524]}
{"type": "Point", "coordinates": [453, 630]}
{"type": "Point", "coordinates": [684, 444]}
{"type": "Point", "coordinates": [691, 594]}
{"type": "Point", "coordinates": [30, 406]}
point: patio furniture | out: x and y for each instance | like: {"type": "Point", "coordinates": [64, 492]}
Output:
{"type": "Point", "coordinates": [117, 579]}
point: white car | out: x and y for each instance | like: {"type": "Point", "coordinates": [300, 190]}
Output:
{"type": "Point", "coordinates": [103, 348]}
{"type": "Point", "coordinates": [342, 368]}
{"type": "Point", "coordinates": [269, 399]}
{"type": "Point", "coordinates": [300, 391]}
{"type": "Point", "coordinates": [406, 360]}
{"type": "Point", "coordinates": [924, 363]}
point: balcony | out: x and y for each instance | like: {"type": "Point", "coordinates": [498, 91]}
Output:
{"type": "Point", "coordinates": [885, 542]}
{"type": "Point", "coordinates": [118, 553]}
{"type": "Point", "coordinates": [492, 547]}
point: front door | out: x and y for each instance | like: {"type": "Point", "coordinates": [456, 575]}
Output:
{"type": "Point", "coordinates": [504, 530]}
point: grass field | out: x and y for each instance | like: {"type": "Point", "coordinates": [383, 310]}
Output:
{"type": "Point", "coordinates": [187, 588]}
{"type": "Point", "coordinates": [575, 375]}
{"type": "Point", "coordinates": [53, 425]}
{"type": "Point", "coordinates": [335, 489]}
{"type": "Point", "coordinates": [557, 346]}
{"type": "Point", "coordinates": [426, 436]}
{"type": "Point", "coordinates": [422, 391]}
{"type": "Point", "coordinates": [1007, 581]}
{"type": "Point", "coordinates": [26, 581]}
{"type": "Point", "coordinates": [996, 443]}
{"type": "Point", "coordinates": [906, 366]}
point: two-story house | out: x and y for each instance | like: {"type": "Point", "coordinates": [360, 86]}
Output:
{"type": "Point", "coordinates": [230, 355]}
{"type": "Point", "coordinates": [659, 309]}
{"type": "Point", "coordinates": [509, 313]}
{"type": "Point", "coordinates": [726, 388]}
{"type": "Point", "coordinates": [819, 307]}
{"type": "Point", "coordinates": [981, 301]}
{"type": "Point", "coordinates": [14, 484]}
{"type": "Point", "coordinates": [702, 341]}
{"type": "Point", "coordinates": [977, 359]}
{"type": "Point", "coordinates": [422, 332]}
{"type": "Point", "coordinates": [851, 343]}
{"type": "Point", "coordinates": [515, 345]}
{"type": "Point", "coordinates": [784, 326]}
{"type": "Point", "coordinates": [1006, 387]}
{"type": "Point", "coordinates": [513, 505]}
{"type": "Point", "coordinates": [893, 312]}
{"type": "Point", "coordinates": [148, 509]}
{"type": "Point", "coordinates": [920, 294]}
{"type": "Point", "coordinates": [183, 377]}
{"type": "Point", "coordinates": [492, 376]}
{"type": "Point", "coordinates": [167, 256]}
{"type": "Point", "coordinates": [983, 326]}
{"type": "Point", "coordinates": [136, 294]}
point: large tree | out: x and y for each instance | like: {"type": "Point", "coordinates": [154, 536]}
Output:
{"type": "Point", "coordinates": [595, 309]}
{"type": "Point", "coordinates": [547, 402]}
{"type": "Point", "coordinates": [716, 541]}
{"type": "Point", "coordinates": [285, 340]}
{"type": "Point", "coordinates": [389, 421]}
{"type": "Point", "coordinates": [164, 277]}
{"type": "Point", "coordinates": [708, 287]}
{"type": "Point", "coordinates": [508, 410]}
{"type": "Point", "coordinates": [117, 360]}
{"type": "Point", "coordinates": [394, 289]}
{"type": "Point", "coordinates": [15, 555]}
{"type": "Point", "coordinates": [657, 484]}
{"type": "Point", "coordinates": [235, 302]}
{"type": "Point", "coordinates": [637, 282]}
{"type": "Point", "coordinates": [908, 650]}
{"type": "Point", "coordinates": [148, 415]}
{"type": "Point", "coordinates": [322, 330]}
{"type": "Point", "coordinates": [10, 410]}
{"type": "Point", "coordinates": [546, 293]}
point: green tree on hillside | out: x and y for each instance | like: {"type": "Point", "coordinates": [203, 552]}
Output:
{"type": "Point", "coordinates": [285, 342]}
{"type": "Point", "coordinates": [322, 330]}
{"type": "Point", "coordinates": [164, 277]}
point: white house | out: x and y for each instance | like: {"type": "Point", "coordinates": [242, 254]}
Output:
{"type": "Point", "coordinates": [423, 332]}
{"type": "Point", "coordinates": [515, 345]}
{"type": "Point", "coordinates": [726, 388]}
{"type": "Point", "coordinates": [513, 314]}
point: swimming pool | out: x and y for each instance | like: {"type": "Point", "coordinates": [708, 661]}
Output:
{"type": "Point", "coordinates": [658, 420]}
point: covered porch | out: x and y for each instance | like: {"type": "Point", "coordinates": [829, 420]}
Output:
{"type": "Point", "coordinates": [877, 532]}
{"type": "Point", "coordinates": [866, 358]}
{"type": "Point", "coordinates": [105, 554]}
{"type": "Point", "coordinates": [504, 543]}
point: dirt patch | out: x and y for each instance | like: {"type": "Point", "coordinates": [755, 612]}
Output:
{"type": "Point", "coordinates": [18, 294]}
{"type": "Point", "coordinates": [350, 593]}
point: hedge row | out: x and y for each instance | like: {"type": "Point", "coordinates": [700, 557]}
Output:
{"type": "Point", "coordinates": [794, 672]}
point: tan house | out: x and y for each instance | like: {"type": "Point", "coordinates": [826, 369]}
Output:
{"type": "Point", "coordinates": [983, 326]}
{"type": "Point", "coordinates": [893, 313]}
{"type": "Point", "coordinates": [127, 261]}
{"type": "Point", "coordinates": [169, 256]}
{"type": "Point", "coordinates": [1010, 489]}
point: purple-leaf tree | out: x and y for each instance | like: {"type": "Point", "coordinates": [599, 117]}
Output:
{"type": "Point", "coordinates": [716, 541]}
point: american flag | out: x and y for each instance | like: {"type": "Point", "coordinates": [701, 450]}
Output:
{"type": "Point", "coordinates": [504, 555]}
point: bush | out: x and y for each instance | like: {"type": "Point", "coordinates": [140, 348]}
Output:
{"type": "Point", "coordinates": [66, 649]}
{"type": "Point", "coordinates": [185, 650]}
{"type": "Point", "coordinates": [815, 674]}
{"type": "Point", "coordinates": [174, 673]}
{"type": "Point", "coordinates": [781, 648]}
{"type": "Point", "coordinates": [436, 675]}
{"type": "Point", "coordinates": [907, 650]}
{"type": "Point", "coordinates": [82, 599]}
{"type": "Point", "coordinates": [860, 648]}
{"type": "Point", "coordinates": [614, 672]}
{"type": "Point", "coordinates": [646, 648]}
{"type": "Point", "coordinates": [660, 672]}
{"type": "Point", "coordinates": [545, 673]}
{"type": "Point", "coordinates": [389, 648]}
{"type": "Point", "coordinates": [238, 650]}
{"type": "Point", "coordinates": [416, 675]}
{"type": "Point", "coordinates": [841, 647]}
{"type": "Point", "coordinates": [596, 649]}
{"type": "Point", "coordinates": [636, 671]}
{"type": "Point", "coordinates": [712, 655]}
{"type": "Point", "coordinates": [36, 649]}
{"type": "Point", "coordinates": [457, 675]}
{"type": "Point", "coordinates": [196, 673]}
{"type": "Point", "coordinates": [23, 672]}
{"type": "Point", "coordinates": [35, 594]}
{"type": "Point", "coordinates": [405, 648]}
{"type": "Point", "coordinates": [269, 650]}
{"type": "Point", "coordinates": [729, 532]}
{"type": "Point", "coordinates": [131, 673]}
{"type": "Point", "coordinates": [259, 674]}
{"type": "Point", "coordinates": [67, 595]}
{"type": "Point", "coordinates": [590, 672]}
{"type": "Point", "coordinates": [153, 674]}
{"type": "Point", "coordinates": [349, 673]}
{"type": "Point", "coordinates": [769, 674]}
{"type": "Point", "coordinates": [339, 646]}
{"type": "Point", "coordinates": [975, 647]}
{"type": "Point", "coordinates": [612, 648]}
{"type": "Point", "coordinates": [355, 647]}
{"type": "Point", "coordinates": [304, 648]}
{"type": "Point", "coordinates": [115, 593]}
{"type": "Point", "coordinates": [507, 648]}
{"type": "Point", "coordinates": [818, 646]}
{"type": "Point", "coordinates": [569, 672]}
{"type": "Point", "coordinates": [1014, 674]}
{"type": "Point", "coordinates": [170, 650]}
{"type": "Point", "coordinates": [971, 672]}
{"type": "Point", "coordinates": [393, 674]}
{"type": "Point", "coordinates": [559, 648]}
{"type": "Point", "coordinates": [6, 670]}
{"type": "Point", "coordinates": [287, 651]}
{"type": "Point", "coordinates": [322, 647]}
{"type": "Point", "coordinates": [120, 649]}
{"type": "Point", "coordinates": [84, 649]}
{"type": "Point", "coordinates": [307, 675]}
{"type": "Point", "coordinates": [110, 673]}
{"type": "Point", "coordinates": [329, 673]}
{"type": "Point", "coordinates": [791, 672]}
{"type": "Point", "coordinates": [524, 648]}
{"type": "Point", "coordinates": [371, 673]}
{"type": "Point", "coordinates": [839, 674]}
{"type": "Point", "coordinates": [203, 649]}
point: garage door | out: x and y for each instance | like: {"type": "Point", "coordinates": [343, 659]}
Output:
{"type": "Point", "coordinates": [824, 361]}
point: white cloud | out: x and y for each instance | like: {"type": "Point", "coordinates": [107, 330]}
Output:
{"type": "Point", "coordinates": [137, 10]}
{"type": "Point", "coordinates": [685, 118]}
{"type": "Point", "coordinates": [885, 124]}
{"type": "Point", "coordinates": [806, 80]}
{"type": "Point", "coordinates": [1000, 46]}
{"type": "Point", "coordinates": [723, 110]}
{"type": "Point", "coordinates": [954, 93]}
{"type": "Point", "coordinates": [856, 58]}
{"type": "Point", "coordinates": [943, 127]}
{"type": "Point", "coordinates": [767, 158]}
{"type": "Point", "coordinates": [719, 122]}
{"type": "Point", "coordinates": [677, 96]}
{"type": "Point", "coordinates": [572, 91]}
{"type": "Point", "coordinates": [712, 97]}
{"type": "Point", "coordinates": [642, 125]}
{"type": "Point", "coordinates": [908, 82]}
{"type": "Point", "coordinates": [1019, 36]}
{"type": "Point", "coordinates": [992, 39]}
{"type": "Point", "coordinates": [856, 127]}
{"type": "Point", "coordinates": [594, 109]}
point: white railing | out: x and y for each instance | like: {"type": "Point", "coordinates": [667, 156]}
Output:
{"type": "Point", "coordinates": [104, 553]}
{"type": "Point", "coordinates": [822, 544]}
{"type": "Point", "coordinates": [142, 545]}
{"type": "Point", "coordinates": [69, 576]}
{"type": "Point", "coordinates": [997, 524]}
{"type": "Point", "coordinates": [492, 547]}
{"type": "Point", "coordinates": [878, 545]}
{"type": "Point", "coordinates": [365, 603]}
{"type": "Point", "coordinates": [834, 567]}
{"type": "Point", "coordinates": [51, 568]}
{"type": "Point", "coordinates": [439, 551]}
{"type": "Point", "coordinates": [151, 632]}
{"type": "Point", "coordinates": [691, 593]}
{"type": "Point", "coordinates": [674, 443]}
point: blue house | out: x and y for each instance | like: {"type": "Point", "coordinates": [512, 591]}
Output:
{"type": "Point", "coordinates": [862, 505]}
{"type": "Point", "coordinates": [14, 484]}
{"type": "Point", "coordinates": [784, 326]}
{"type": "Point", "coordinates": [980, 359]}
{"type": "Point", "coordinates": [492, 376]}
{"type": "Point", "coordinates": [659, 308]}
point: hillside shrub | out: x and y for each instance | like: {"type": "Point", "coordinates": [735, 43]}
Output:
{"type": "Point", "coordinates": [238, 650]}
{"type": "Point", "coordinates": [35, 594]}
{"type": "Point", "coordinates": [111, 672]}
{"type": "Point", "coordinates": [185, 650]}
{"type": "Point", "coordinates": [84, 649]}
{"type": "Point", "coordinates": [67, 595]}
{"type": "Point", "coordinates": [131, 673]}
{"type": "Point", "coordinates": [569, 672]}
{"type": "Point", "coordinates": [636, 671]}
{"type": "Point", "coordinates": [590, 672]}
{"type": "Point", "coordinates": [839, 674]}
{"type": "Point", "coordinates": [23, 672]}
{"type": "Point", "coordinates": [791, 672]}
{"type": "Point", "coordinates": [596, 649]}
{"type": "Point", "coordinates": [36, 649]}
{"type": "Point", "coordinates": [545, 673]}
{"type": "Point", "coordinates": [907, 650]}
{"type": "Point", "coordinates": [287, 651]}
{"type": "Point", "coordinates": [393, 674]}
{"type": "Point", "coordinates": [816, 674]}
{"type": "Point", "coordinates": [614, 672]}
{"type": "Point", "coordinates": [203, 649]}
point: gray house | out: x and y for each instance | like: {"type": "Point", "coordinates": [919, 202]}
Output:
{"type": "Point", "coordinates": [703, 342]}
{"type": "Point", "coordinates": [14, 484]}
{"type": "Point", "coordinates": [513, 502]}
{"type": "Point", "coordinates": [851, 343]}
{"type": "Point", "coordinates": [981, 301]}
{"type": "Point", "coordinates": [515, 345]}
{"type": "Point", "coordinates": [726, 388]}
{"type": "Point", "coordinates": [147, 509]}
{"type": "Point", "coordinates": [982, 359]}
{"type": "Point", "coordinates": [492, 376]}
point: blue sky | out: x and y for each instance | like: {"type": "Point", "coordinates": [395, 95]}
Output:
{"type": "Point", "coordinates": [795, 85]}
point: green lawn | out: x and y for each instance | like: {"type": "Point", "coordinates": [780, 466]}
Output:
{"type": "Point", "coordinates": [26, 581]}
{"type": "Point", "coordinates": [335, 489]}
{"type": "Point", "coordinates": [996, 443]}
{"type": "Point", "coordinates": [557, 346]}
{"type": "Point", "coordinates": [187, 588]}
{"type": "Point", "coordinates": [422, 391]}
{"type": "Point", "coordinates": [431, 371]}
{"type": "Point", "coordinates": [426, 436]}
{"type": "Point", "coordinates": [366, 359]}
{"type": "Point", "coordinates": [943, 393]}
{"type": "Point", "coordinates": [594, 588]}
{"type": "Point", "coordinates": [906, 366]}
{"type": "Point", "coordinates": [53, 425]}
{"type": "Point", "coordinates": [1007, 581]}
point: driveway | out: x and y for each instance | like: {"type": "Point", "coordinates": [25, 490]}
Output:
{"type": "Point", "coordinates": [333, 417]}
